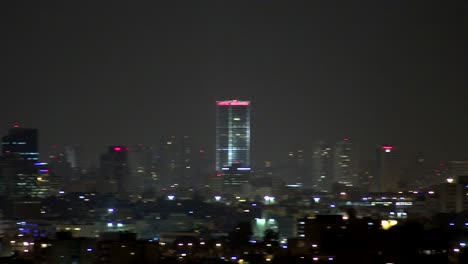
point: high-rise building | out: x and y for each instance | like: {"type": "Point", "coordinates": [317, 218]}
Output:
{"type": "Point", "coordinates": [298, 171]}
{"type": "Point", "coordinates": [232, 133]}
{"type": "Point", "coordinates": [142, 168]}
{"type": "Point", "coordinates": [345, 163]}
{"type": "Point", "coordinates": [23, 142]}
{"type": "Point", "coordinates": [321, 167]}
{"type": "Point", "coordinates": [387, 170]}
{"type": "Point", "coordinates": [114, 176]}
{"type": "Point", "coordinates": [23, 180]}
{"type": "Point", "coordinates": [168, 161]}
{"type": "Point", "coordinates": [453, 195]}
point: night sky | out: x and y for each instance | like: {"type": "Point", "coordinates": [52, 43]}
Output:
{"type": "Point", "coordinates": [126, 72]}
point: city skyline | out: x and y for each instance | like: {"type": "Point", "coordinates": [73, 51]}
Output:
{"type": "Point", "coordinates": [214, 131]}
{"type": "Point", "coordinates": [378, 73]}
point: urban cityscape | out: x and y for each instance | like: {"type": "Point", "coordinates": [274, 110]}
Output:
{"type": "Point", "coordinates": [166, 204]}
{"type": "Point", "coordinates": [242, 132]}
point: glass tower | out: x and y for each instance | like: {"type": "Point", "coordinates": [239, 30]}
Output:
{"type": "Point", "coordinates": [232, 133]}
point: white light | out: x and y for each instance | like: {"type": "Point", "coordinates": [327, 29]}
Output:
{"type": "Point", "coordinates": [110, 225]}
{"type": "Point", "coordinates": [450, 180]}
{"type": "Point", "coordinates": [110, 210]}
{"type": "Point", "coordinates": [170, 197]}
{"type": "Point", "coordinates": [462, 244]}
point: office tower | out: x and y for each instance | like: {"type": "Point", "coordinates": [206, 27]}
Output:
{"type": "Point", "coordinates": [186, 167]}
{"type": "Point", "coordinates": [414, 173]}
{"type": "Point", "coordinates": [23, 180]}
{"type": "Point", "coordinates": [23, 142]}
{"type": "Point", "coordinates": [60, 168]}
{"type": "Point", "coordinates": [141, 167]}
{"type": "Point", "coordinates": [297, 169]}
{"type": "Point", "coordinates": [453, 195]}
{"type": "Point", "coordinates": [114, 176]}
{"type": "Point", "coordinates": [387, 169]}
{"type": "Point", "coordinates": [321, 166]}
{"type": "Point", "coordinates": [232, 133]}
{"type": "Point", "coordinates": [345, 162]}
{"type": "Point", "coordinates": [167, 161]}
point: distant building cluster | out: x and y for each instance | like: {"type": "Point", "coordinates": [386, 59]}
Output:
{"type": "Point", "coordinates": [178, 202]}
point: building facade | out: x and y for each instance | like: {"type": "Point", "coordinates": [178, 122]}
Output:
{"type": "Point", "coordinates": [23, 142]}
{"type": "Point", "coordinates": [232, 133]}
{"type": "Point", "coordinates": [345, 162]}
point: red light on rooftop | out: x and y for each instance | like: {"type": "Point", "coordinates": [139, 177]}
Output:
{"type": "Point", "coordinates": [117, 149]}
{"type": "Point", "coordinates": [232, 103]}
{"type": "Point", "coordinates": [346, 139]}
{"type": "Point", "coordinates": [15, 126]}
{"type": "Point", "coordinates": [127, 148]}
{"type": "Point", "coordinates": [387, 147]}
{"type": "Point", "coordinates": [202, 151]}
{"type": "Point", "coordinates": [219, 175]}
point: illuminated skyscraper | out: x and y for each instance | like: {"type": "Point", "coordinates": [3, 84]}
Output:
{"type": "Point", "coordinates": [345, 163]}
{"type": "Point", "coordinates": [232, 133]}
{"type": "Point", "coordinates": [23, 142]}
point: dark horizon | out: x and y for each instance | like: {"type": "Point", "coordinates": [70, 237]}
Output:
{"type": "Point", "coordinates": [101, 74]}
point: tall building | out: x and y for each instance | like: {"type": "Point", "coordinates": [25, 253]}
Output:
{"type": "Point", "coordinates": [142, 168]}
{"type": "Point", "coordinates": [22, 180]}
{"type": "Point", "coordinates": [114, 176]}
{"type": "Point", "coordinates": [321, 167]}
{"type": "Point", "coordinates": [387, 170]}
{"type": "Point", "coordinates": [186, 169]}
{"type": "Point", "coordinates": [23, 142]}
{"type": "Point", "coordinates": [232, 133]}
{"type": "Point", "coordinates": [298, 171]}
{"type": "Point", "coordinates": [167, 161]}
{"type": "Point", "coordinates": [345, 163]}
{"type": "Point", "coordinates": [453, 195]}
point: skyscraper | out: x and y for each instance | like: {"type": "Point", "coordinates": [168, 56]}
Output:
{"type": "Point", "coordinates": [321, 167]}
{"type": "Point", "coordinates": [114, 171]}
{"type": "Point", "coordinates": [345, 163]}
{"type": "Point", "coordinates": [23, 142]}
{"type": "Point", "coordinates": [388, 169]}
{"type": "Point", "coordinates": [232, 133]}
